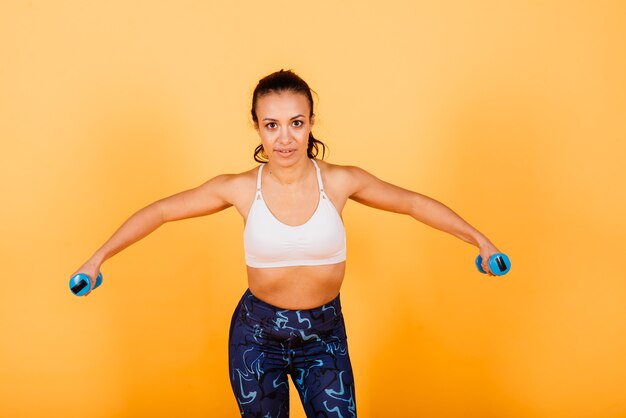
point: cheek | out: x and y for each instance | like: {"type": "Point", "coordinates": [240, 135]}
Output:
{"type": "Point", "coordinates": [265, 136]}
{"type": "Point", "coordinates": [266, 140]}
{"type": "Point", "coordinates": [303, 133]}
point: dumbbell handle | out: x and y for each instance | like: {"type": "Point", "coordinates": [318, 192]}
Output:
{"type": "Point", "coordinates": [80, 283]}
{"type": "Point", "coordinates": [499, 264]}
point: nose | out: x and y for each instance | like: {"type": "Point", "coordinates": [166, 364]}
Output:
{"type": "Point", "coordinates": [283, 136]}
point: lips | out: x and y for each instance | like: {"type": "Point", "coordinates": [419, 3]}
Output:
{"type": "Point", "coordinates": [284, 151]}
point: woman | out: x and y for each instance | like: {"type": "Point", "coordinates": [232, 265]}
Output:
{"type": "Point", "coordinates": [289, 320]}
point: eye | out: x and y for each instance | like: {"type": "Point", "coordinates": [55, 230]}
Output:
{"type": "Point", "coordinates": [271, 125]}
{"type": "Point", "coordinates": [298, 122]}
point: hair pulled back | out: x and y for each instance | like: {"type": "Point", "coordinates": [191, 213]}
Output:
{"type": "Point", "coordinates": [278, 82]}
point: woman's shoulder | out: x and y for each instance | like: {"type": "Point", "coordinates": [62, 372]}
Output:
{"type": "Point", "coordinates": [349, 179]}
{"type": "Point", "coordinates": [338, 172]}
{"type": "Point", "coordinates": [342, 179]}
{"type": "Point", "coordinates": [243, 180]}
{"type": "Point", "coordinates": [239, 178]}
{"type": "Point", "coordinates": [236, 186]}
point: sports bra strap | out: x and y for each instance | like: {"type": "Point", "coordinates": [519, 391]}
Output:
{"type": "Point", "coordinates": [319, 176]}
{"type": "Point", "coordinates": [258, 180]}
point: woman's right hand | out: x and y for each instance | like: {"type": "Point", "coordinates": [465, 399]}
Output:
{"type": "Point", "coordinates": [91, 268]}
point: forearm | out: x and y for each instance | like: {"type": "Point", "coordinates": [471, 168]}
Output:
{"type": "Point", "coordinates": [132, 230]}
{"type": "Point", "coordinates": [439, 216]}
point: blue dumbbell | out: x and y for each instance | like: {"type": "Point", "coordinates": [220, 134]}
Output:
{"type": "Point", "coordinates": [80, 284]}
{"type": "Point", "coordinates": [499, 264]}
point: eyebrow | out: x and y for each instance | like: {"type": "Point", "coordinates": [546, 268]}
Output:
{"type": "Point", "coordinates": [276, 120]}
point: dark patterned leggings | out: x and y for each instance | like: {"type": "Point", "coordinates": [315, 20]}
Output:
{"type": "Point", "coordinates": [267, 343]}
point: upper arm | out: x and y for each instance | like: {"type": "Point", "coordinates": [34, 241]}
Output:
{"type": "Point", "coordinates": [369, 190]}
{"type": "Point", "coordinates": [210, 197]}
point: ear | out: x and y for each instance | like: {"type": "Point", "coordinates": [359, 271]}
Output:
{"type": "Point", "coordinates": [312, 119]}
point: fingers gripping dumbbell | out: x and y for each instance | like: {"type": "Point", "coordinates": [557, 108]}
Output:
{"type": "Point", "coordinates": [499, 264]}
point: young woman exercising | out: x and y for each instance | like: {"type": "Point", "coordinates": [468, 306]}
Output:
{"type": "Point", "coordinates": [289, 320]}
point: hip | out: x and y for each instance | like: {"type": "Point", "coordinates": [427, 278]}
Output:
{"type": "Point", "coordinates": [269, 324]}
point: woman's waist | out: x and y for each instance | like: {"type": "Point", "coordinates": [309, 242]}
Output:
{"type": "Point", "coordinates": [274, 323]}
{"type": "Point", "coordinates": [298, 287]}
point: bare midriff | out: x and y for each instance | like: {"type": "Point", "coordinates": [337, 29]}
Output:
{"type": "Point", "coordinates": [299, 287]}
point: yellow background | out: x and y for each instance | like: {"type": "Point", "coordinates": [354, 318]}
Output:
{"type": "Point", "coordinates": [512, 113]}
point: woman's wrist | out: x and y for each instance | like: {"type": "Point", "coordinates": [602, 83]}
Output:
{"type": "Point", "coordinates": [97, 259]}
{"type": "Point", "coordinates": [480, 240]}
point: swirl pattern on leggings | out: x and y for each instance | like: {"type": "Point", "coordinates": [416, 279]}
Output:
{"type": "Point", "coordinates": [266, 344]}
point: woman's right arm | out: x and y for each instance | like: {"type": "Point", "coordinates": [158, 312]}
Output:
{"type": "Point", "coordinates": [210, 197]}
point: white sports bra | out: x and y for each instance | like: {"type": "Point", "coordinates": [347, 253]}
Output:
{"type": "Point", "coordinates": [270, 243]}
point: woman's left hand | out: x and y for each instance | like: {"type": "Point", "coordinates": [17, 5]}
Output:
{"type": "Point", "coordinates": [486, 251]}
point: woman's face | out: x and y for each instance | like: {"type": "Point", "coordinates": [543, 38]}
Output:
{"type": "Point", "coordinates": [284, 126]}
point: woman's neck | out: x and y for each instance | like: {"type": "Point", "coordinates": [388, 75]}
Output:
{"type": "Point", "coordinates": [291, 175]}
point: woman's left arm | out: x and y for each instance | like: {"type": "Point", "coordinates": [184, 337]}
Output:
{"type": "Point", "coordinates": [371, 191]}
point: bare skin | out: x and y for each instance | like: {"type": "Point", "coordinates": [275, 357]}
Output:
{"type": "Point", "coordinates": [290, 190]}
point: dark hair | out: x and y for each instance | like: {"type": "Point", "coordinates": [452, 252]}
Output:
{"type": "Point", "coordinates": [276, 83]}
